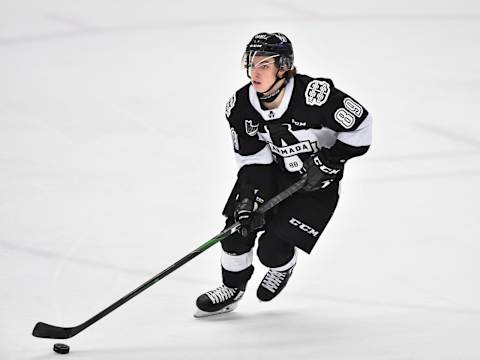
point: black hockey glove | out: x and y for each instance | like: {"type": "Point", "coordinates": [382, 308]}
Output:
{"type": "Point", "coordinates": [247, 203]}
{"type": "Point", "coordinates": [320, 172]}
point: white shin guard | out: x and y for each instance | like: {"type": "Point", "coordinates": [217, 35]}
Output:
{"type": "Point", "coordinates": [236, 263]}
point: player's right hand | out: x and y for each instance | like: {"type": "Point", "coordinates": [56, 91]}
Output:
{"type": "Point", "coordinates": [245, 207]}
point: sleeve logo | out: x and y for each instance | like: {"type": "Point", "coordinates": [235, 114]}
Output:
{"type": "Point", "coordinates": [317, 92]}
{"type": "Point", "coordinates": [347, 115]}
{"type": "Point", "coordinates": [229, 106]}
{"type": "Point", "coordinates": [235, 139]}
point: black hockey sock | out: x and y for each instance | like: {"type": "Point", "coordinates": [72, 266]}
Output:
{"type": "Point", "coordinates": [237, 279]}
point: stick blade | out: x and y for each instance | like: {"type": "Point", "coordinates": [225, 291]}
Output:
{"type": "Point", "coordinates": [43, 330]}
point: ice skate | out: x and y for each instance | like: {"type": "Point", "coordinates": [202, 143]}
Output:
{"type": "Point", "coordinates": [219, 301]}
{"type": "Point", "coordinates": [273, 282]}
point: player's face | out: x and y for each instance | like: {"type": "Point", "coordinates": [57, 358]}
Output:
{"type": "Point", "coordinates": [263, 73]}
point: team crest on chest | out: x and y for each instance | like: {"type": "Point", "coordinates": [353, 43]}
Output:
{"type": "Point", "coordinates": [317, 92]}
{"type": "Point", "coordinates": [301, 147]}
{"type": "Point", "coordinates": [251, 129]}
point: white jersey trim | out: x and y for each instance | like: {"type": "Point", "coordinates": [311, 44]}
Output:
{"type": "Point", "coordinates": [263, 157]}
{"type": "Point", "coordinates": [362, 136]}
{"type": "Point", "coordinates": [273, 113]}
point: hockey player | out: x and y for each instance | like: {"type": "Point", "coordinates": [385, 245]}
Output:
{"type": "Point", "coordinates": [284, 126]}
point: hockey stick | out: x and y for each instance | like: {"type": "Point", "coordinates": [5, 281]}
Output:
{"type": "Point", "coordinates": [43, 330]}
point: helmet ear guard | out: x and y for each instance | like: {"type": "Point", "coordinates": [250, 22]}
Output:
{"type": "Point", "coordinates": [285, 62]}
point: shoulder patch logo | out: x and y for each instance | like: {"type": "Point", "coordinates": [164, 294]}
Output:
{"type": "Point", "coordinates": [235, 139]}
{"type": "Point", "coordinates": [229, 106]}
{"type": "Point", "coordinates": [317, 92]}
{"type": "Point", "coordinates": [251, 129]}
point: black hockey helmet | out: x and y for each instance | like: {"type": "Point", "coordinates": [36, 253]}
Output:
{"type": "Point", "coordinates": [274, 45]}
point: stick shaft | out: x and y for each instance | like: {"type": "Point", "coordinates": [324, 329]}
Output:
{"type": "Point", "coordinates": [49, 331]}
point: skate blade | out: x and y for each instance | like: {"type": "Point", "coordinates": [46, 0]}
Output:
{"type": "Point", "coordinates": [200, 313]}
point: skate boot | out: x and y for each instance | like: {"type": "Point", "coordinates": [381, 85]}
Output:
{"type": "Point", "coordinates": [273, 282]}
{"type": "Point", "coordinates": [221, 300]}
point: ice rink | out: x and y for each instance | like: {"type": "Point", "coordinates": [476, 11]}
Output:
{"type": "Point", "coordinates": [116, 160]}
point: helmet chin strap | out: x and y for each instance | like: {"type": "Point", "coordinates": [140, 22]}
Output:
{"type": "Point", "coordinates": [271, 97]}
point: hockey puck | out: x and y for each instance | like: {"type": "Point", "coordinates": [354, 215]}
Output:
{"type": "Point", "coordinates": [61, 348]}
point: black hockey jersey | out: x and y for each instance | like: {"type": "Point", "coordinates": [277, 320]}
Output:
{"type": "Point", "coordinates": [313, 114]}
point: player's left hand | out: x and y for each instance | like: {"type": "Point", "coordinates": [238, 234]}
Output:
{"type": "Point", "coordinates": [319, 172]}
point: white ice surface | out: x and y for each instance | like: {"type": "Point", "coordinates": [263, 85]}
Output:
{"type": "Point", "coordinates": [104, 181]}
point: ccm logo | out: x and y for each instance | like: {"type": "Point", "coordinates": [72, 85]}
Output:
{"type": "Point", "coordinates": [324, 168]}
{"type": "Point", "coordinates": [304, 227]}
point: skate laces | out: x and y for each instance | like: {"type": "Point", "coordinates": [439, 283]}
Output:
{"type": "Point", "coordinates": [221, 294]}
{"type": "Point", "coordinates": [273, 279]}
